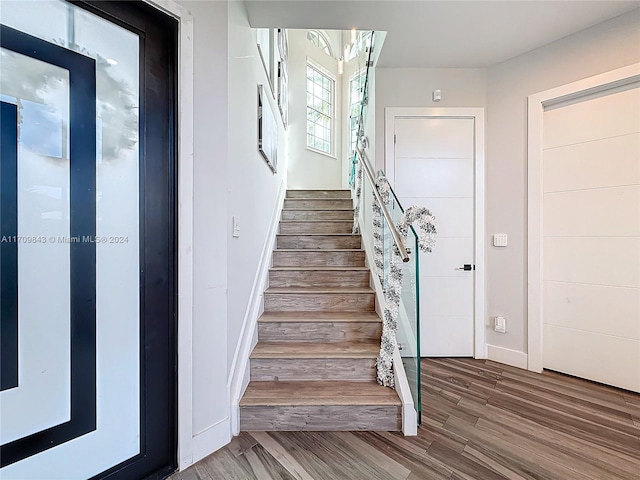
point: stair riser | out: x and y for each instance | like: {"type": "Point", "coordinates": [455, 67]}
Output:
{"type": "Point", "coordinates": [318, 259]}
{"type": "Point", "coordinates": [311, 278]}
{"type": "Point", "coordinates": [309, 204]}
{"type": "Point", "coordinates": [317, 227]}
{"type": "Point", "coordinates": [321, 418]}
{"type": "Point", "coordinates": [318, 194]}
{"type": "Point", "coordinates": [274, 369]}
{"type": "Point", "coordinates": [317, 215]}
{"type": "Point", "coordinates": [327, 302]}
{"type": "Point", "coordinates": [318, 242]}
{"type": "Point", "coordinates": [319, 332]}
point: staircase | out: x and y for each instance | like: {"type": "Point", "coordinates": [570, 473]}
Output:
{"type": "Point", "coordinates": [314, 365]}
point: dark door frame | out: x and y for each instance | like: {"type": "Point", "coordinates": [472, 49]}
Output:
{"type": "Point", "coordinates": [158, 35]}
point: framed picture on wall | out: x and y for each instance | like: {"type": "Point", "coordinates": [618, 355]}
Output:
{"type": "Point", "coordinates": [263, 39]}
{"type": "Point", "coordinates": [267, 130]}
{"type": "Point", "coordinates": [283, 92]}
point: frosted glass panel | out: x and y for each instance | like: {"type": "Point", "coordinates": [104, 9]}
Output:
{"type": "Point", "coordinates": [41, 93]}
{"type": "Point", "coordinates": [44, 204]}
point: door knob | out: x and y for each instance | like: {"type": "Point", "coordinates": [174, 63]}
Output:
{"type": "Point", "coordinates": [467, 267]}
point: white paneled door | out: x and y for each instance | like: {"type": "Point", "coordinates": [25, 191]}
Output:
{"type": "Point", "coordinates": [591, 238]}
{"type": "Point", "coordinates": [433, 166]}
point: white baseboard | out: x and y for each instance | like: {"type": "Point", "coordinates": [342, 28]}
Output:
{"type": "Point", "coordinates": [211, 439]}
{"type": "Point", "coordinates": [507, 356]}
{"type": "Point", "coordinates": [409, 414]}
{"type": "Point", "coordinates": [239, 378]}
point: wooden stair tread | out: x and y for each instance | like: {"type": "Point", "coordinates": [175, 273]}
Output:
{"type": "Point", "coordinates": [306, 250]}
{"type": "Point", "coordinates": [320, 268]}
{"type": "Point", "coordinates": [318, 393]}
{"type": "Point", "coordinates": [318, 234]}
{"type": "Point", "coordinates": [306, 209]}
{"type": "Point", "coordinates": [319, 290]}
{"type": "Point", "coordinates": [316, 221]}
{"type": "Point", "coordinates": [319, 317]}
{"type": "Point", "coordinates": [315, 350]}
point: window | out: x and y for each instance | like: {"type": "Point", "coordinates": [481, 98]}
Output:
{"type": "Point", "coordinates": [356, 93]}
{"type": "Point", "coordinates": [320, 41]}
{"type": "Point", "coordinates": [319, 110]}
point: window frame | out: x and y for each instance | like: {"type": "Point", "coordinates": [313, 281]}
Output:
{"type": "Point", "coordinates": [331, 116]}
{"type": "Point", "coordinates": [320, 37]}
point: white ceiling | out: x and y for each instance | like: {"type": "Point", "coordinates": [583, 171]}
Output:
{"type": "Point", "coordinates": [450, 33]}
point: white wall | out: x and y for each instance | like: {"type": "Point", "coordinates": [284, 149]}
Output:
{"type": "Point", "coordinates": [604, 47]}
{"type": "Point", "coordinates": [210, 401]}
{"type": "Point", "coordinates": [412, 87]}
{"type": "Point", "coordinates": [230, 178]}
{"type": "Point", "coordinates": [252, 187]}
{"type": "Point", "coordinates": [503, 89]}
{"type": "Point", "coordinates": [308, 169]}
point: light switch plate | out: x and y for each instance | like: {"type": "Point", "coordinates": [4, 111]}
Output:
{"type": "Point", "coordinates": [500, 325]}
{"type": "Point", "coordinates": [500, 240]}
{"type": "Point", "coordinates": [236, 226]}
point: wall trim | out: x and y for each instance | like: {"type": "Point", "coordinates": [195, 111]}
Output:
{"type": "Point", "coordinates": [239, 377]}
{"type": "Point", "coordinates": [409, 413]}
{"type": "Point", "coordinates": [507, 356]}
{"type": "Point", "coordinates": [185, 226]}
{"type": "Point", "coordinates": [477, 114]}
{"type": "Point", "coordinates": [536, 106]}
{"type": "Point", "coordinates": [211, 439]}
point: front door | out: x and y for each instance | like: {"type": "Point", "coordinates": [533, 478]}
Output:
{"type": "Point", "coordinates": [433, 166]}
{"type": "Point", "coordinates": [87, 241]}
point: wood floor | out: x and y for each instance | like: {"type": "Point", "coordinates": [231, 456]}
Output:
{"type": "Point", "coordinates": [481, 421]}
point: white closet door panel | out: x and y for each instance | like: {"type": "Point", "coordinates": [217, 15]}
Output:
{"type": "Point", "coordinates": [604, 117]}
{"type": "Point", "coordinates": [447, 336]}
{"type": "Point", "coordinates": [446, 296]}
{"type": "Point", "coordinates": [438, 177]}
{"type": "Point", "coordinates": [602, 358]}
{"type": "Point", "coordinates": [603, 163]}
{"type": "Point", "coordinates": [452, 253]}
{"type": "Point", "coordinates": [597, 260]}
{"type": "Point", "coordinates": [611, 212]}
{"type": "Point", "coordinates": [434, 138]}
{"type": "Point", "coordinates": [595, 308]}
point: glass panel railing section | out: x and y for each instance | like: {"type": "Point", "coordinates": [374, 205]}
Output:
{"type": "Point", "coordinates": [408, 319]}
{"type": "Point", "coordinates": [359, 93]}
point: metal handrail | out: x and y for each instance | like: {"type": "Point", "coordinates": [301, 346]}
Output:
{"type": "Point", "coordinates": [394, 232]}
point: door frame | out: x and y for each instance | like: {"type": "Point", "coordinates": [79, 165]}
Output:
{"type": "Point", "coordinates": [535, 116]}
{"type": "Point", "coordinates": [477, 115]}
{"type": "Point", "coordinates": [185, 224]}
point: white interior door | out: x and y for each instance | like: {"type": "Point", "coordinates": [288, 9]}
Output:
{"type": "Point", "coordinates": [434, 167]}
{"type": "Point", "coordinates": [591, 238]}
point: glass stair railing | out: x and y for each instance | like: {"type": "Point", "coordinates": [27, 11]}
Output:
{"type": "Point", "coordinates": [387, 231]}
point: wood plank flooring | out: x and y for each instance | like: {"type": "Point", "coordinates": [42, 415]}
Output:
{"type": "Point", "coordinates": [481, 421]}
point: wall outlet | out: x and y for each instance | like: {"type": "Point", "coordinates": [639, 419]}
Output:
{"type": "Point", "coordinates": [500, 324]}
{"type": "Point", "coordinates": [500, 240]}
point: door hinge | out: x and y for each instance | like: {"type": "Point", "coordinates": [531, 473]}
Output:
{"type": "Point", "coordinates": [395, 139]}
